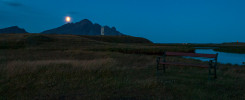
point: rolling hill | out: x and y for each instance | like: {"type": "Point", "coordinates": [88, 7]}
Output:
{"type": "Point", "coordinates": [13, 29]}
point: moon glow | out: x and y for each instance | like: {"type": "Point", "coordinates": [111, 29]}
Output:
{"type": "Point", "coordinates": [68, 19]}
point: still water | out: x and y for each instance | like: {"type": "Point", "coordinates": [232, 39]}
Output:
{"type": "Point", "coordinates": [223, 57]}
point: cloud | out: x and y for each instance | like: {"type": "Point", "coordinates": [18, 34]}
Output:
{"type": "Point", "coordinates": [18, 7]}
{"type": "Point", "coordinates": [73, 12]}
{"type": "Point", "coordinates": [12, 3]}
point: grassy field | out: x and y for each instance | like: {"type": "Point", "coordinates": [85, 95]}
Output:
{"type": "Point", "coordinates": [232, 47]}
{"type": "Point", "coordinates": [34, 66]}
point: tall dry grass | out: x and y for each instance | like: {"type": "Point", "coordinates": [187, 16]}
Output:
{"type": "Point", "coordinates": [72, 67]}
{"type": "Point", "coordinates": [14, 68]}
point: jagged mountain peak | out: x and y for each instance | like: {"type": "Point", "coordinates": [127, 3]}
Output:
{"type": "Point", "coordinates": [85, 21]}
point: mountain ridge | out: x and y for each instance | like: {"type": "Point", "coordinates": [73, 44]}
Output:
{"type": "Point", "coordinates": [83, 27]}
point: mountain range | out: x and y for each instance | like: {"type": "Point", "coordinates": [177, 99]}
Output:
{"type": "Point", "coordinates": [84, 27]}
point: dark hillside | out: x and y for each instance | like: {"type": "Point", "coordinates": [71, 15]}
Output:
{"type": "Point", "coordinates": [13, 29]}
{"type": "Point", "coordinates": [118, 39]}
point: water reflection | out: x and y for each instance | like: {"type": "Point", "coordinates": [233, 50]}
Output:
{"type": "Point", "coordinates": [225, 58]}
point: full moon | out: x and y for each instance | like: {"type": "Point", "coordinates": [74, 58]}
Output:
{"type": "Point", "coordinates": [68, 19]}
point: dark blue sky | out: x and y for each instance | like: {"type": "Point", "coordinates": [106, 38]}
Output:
{"type": "Point", "coordinates": [161, 21]}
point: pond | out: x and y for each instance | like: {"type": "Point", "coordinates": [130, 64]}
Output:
{"type": "Point", "coordinates": [223, 57]}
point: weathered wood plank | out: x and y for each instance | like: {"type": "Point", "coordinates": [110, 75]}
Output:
{"type": "Point", "coordinates": [184, 64]}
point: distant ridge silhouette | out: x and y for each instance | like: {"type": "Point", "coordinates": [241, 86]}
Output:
{"type": "Point", "coordinates": [84, 27]}
{"type": "Point", "coordinates": [13, 29]}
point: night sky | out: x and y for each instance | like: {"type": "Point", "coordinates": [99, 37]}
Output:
{"type": "Point", "coordinates": [161, 21]}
